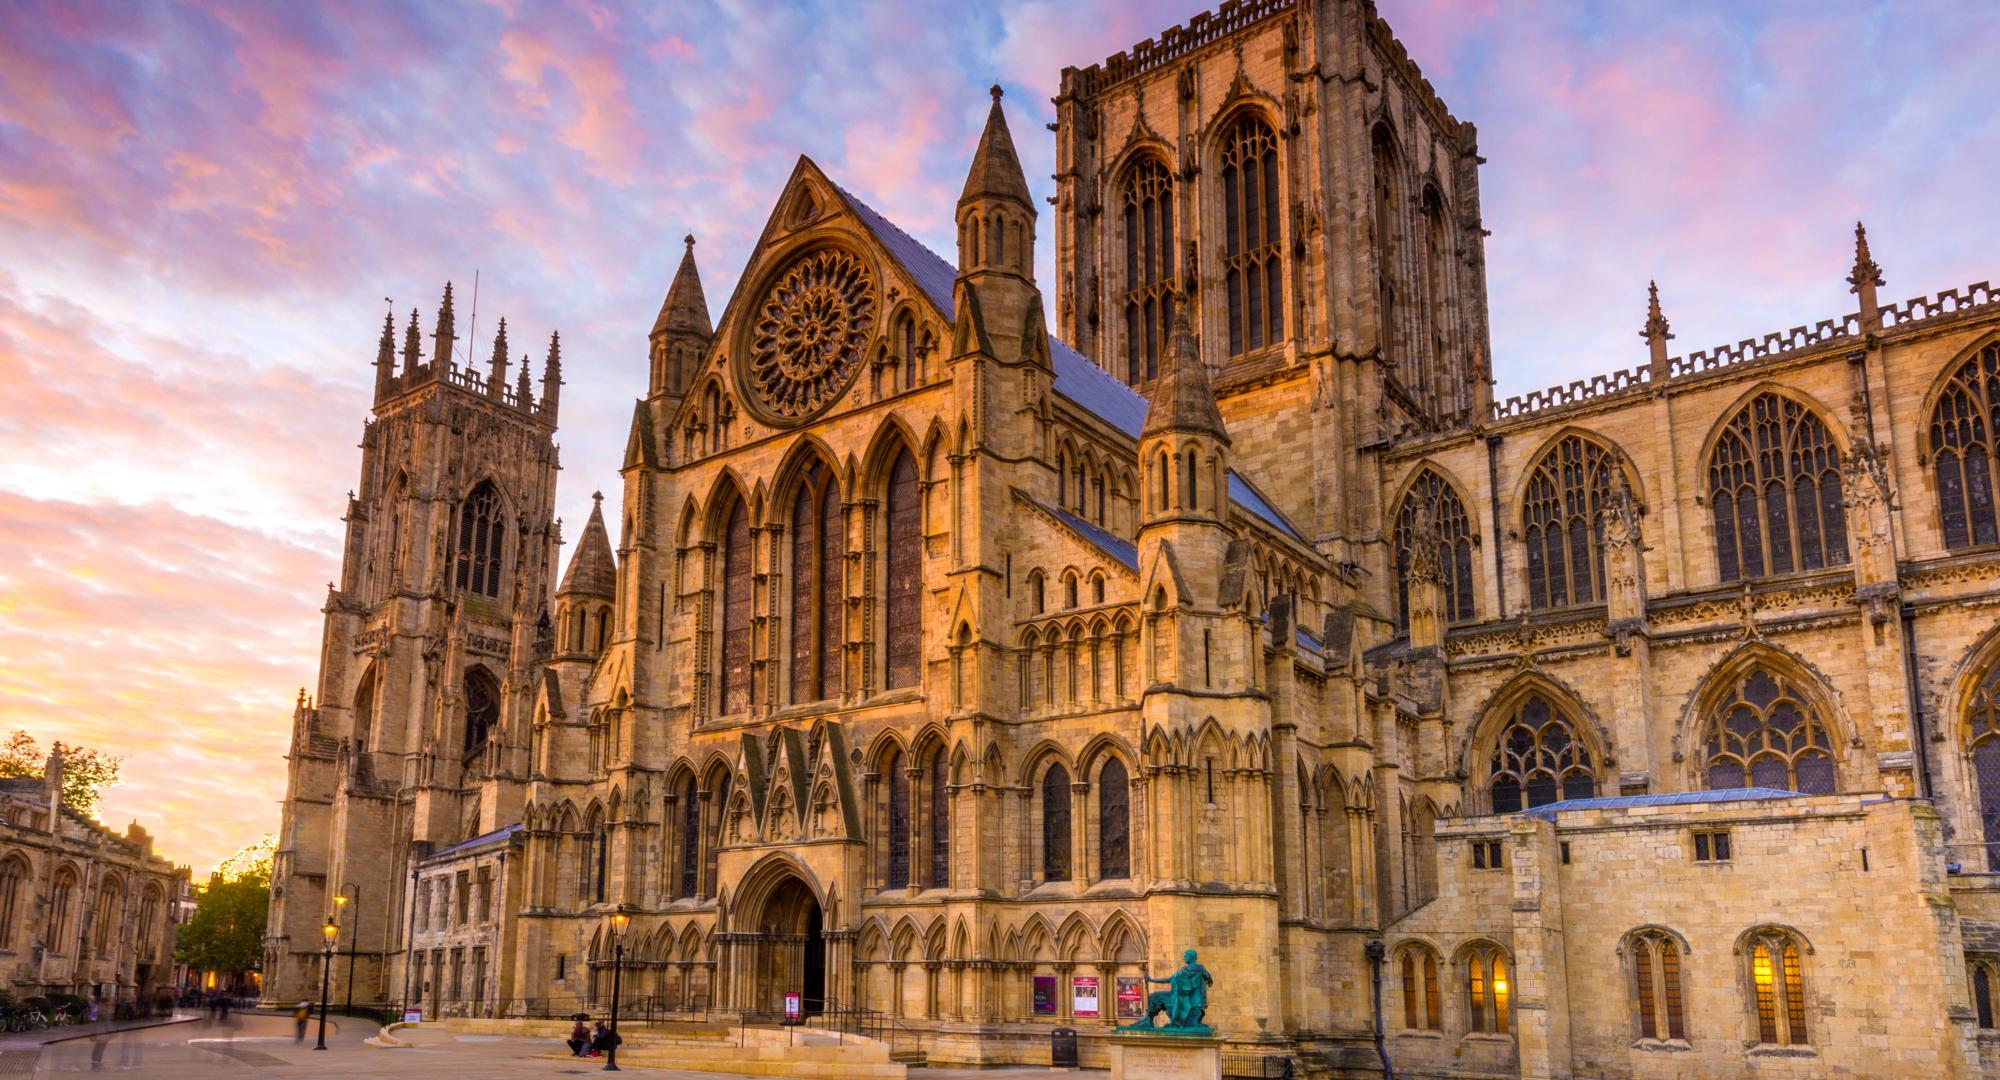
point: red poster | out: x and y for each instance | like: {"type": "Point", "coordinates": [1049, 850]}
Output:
{"type": "Point", "coordinates": [1131, 998]}
{"type": "Point", "coordinates": [1083, 995]}
{"type": "Point", "coordinates": [792, 1005]}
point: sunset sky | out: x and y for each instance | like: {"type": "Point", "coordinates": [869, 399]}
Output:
{"type": "Point", "coordinates": [203, 206]}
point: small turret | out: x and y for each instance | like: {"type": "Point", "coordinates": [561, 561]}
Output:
{"type": "Point", "coordinates": [681, 333]}
{"type": "Point", "coordinates": [385, 356]}
{"type": "Point", "coordinates": [1655, 333]}
{"type": "Point", "coordinates": [1864, 279]}
{"type": "Point", "coordinates": [1184, 462]}
{"type": "Point", "coordinates": [552, 378]}
{"type": "Point", "coordinates": [445, 334]}
{"type": "Point", "coordinates": [996, 213]}
{"type": "Point", "coordinates": [413, 348]}
{"type": "Point", "coordinates": [498, 382]}
{"type": "Point", "coordinates": [589, 587]}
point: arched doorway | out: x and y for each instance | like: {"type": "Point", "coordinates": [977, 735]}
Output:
{"type": "Point", "coordinates": [790, 949]}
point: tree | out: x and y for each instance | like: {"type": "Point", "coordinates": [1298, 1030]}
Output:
{"type": "Point", "coordinates": [226, 932]}
{"type": "Point", "coordinates": [86, 772]}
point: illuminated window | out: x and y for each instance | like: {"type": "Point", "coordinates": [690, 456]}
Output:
{"type": "Point", "coordinates": [1487, 991]}
{"type": "Point", "coordinates": [1780, 988]}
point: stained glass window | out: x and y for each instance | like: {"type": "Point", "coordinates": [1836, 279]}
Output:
{"type": "Point", "coordinates": [1765, 733]}
{"type": "Point", "coordinates": [1452, 530]}
{"type": "Point", "coordinates": [940, 792]}
{"type": "Point", "coordinates": [1149, 267]}
{"type": "Point", "coordinates": [904, 572]}
{"type": "Point", "coordinates": [736, 568]}
{"type": "Point", "coordinates": [1114, 845]}
{"type": "Point", "coordinates": [1539, 760]}
{"type": "Point", "coordinates": [1251, 272]}
{"type": "Point", "coordinates": [1563, 525]}
{"type": "Point", "coordinates": [1775, 493]}
{"type": "Point", "coordinates": [481, 528]}
{"type": "Point", "coordinates": [482, 709]}
{"type": "Point", "coordinates": [1962, 427]}
{"type": "Point", "coordinates": [1055, 824]}
{"type": "Point", "coordinates": [897, 840]}
{"type": "Point", "coordinates": [818, 549]}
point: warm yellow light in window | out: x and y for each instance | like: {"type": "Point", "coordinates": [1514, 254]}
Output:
{"type": "Point", "coordinates": [1499, 987]}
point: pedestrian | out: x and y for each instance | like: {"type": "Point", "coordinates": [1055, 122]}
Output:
{"type": "Point", "coordinates": [598, 1034]}
{"type": "Point", "coordinates": [579, 1039]}
{"type": "Point", "coordinates": [299, 1021]}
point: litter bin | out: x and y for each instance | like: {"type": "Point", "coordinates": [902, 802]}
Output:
{"type": "Point", "coordinates": [1062, 1048]}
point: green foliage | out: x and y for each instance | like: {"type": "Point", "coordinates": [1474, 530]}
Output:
{"type": "Point", "coordinates": [86, 772]}
{"type": "Point", "coordinates": [226, 932]}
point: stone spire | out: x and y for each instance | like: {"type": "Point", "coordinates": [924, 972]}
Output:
{"type": "Point", "coordinates": [680, 335]}
{"type": "Point", "coordinates": [593, 570]}
{"type": "Point", "coordinates": [996, 169]}
{"type": "Point", "coordinates": [1182, 401]}
{"type": "Point", "coordinates": [446, 333]}
{"type": "Point", "coordinates": [385, 355]}
{"type": "Point", "coordinates": [1655, 332]}
{"type": "Point", "coordinates": [413, 348]}
{"type": "Point", "coordinates": [524, 391]}
{"type": "Point", "coordinates": [1864, 279]}
{"type": "Point", "coordinates": [552, 377]}
{"type": "Point", "coordinates": [499, 380]}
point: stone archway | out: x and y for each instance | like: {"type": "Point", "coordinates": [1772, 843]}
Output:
{"type": "Point", "coordinates": [788, 949]}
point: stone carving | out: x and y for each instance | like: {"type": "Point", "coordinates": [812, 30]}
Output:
{"type": "Point", "coordinates": [812, 330]}
{"type": "Point", "coordinates": [1184, 1001]}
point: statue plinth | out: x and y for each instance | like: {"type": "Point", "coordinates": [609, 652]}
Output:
{"type": "Point", "coordinates": [1136, 1055]}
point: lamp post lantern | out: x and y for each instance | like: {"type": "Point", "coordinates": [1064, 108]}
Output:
{"type": "Point", "coordinates": [353, 937]}
{"type": "Point", "coordinates": [332, 932]}
{"type": "Point", "coordinates": [619, 921]}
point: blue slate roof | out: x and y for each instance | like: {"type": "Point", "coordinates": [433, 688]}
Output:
{"type": "Point", "coordinates": [1089, 386]}
{"type": "Point", "coordinates": [1114, 545]}
{"type": "Point", "coordinates": [1677, 798]}
{"type": "Point", "coordinates": [478, 841]}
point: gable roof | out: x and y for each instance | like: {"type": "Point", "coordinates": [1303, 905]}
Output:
{"type": "Point", "coordinates": [1086, 385]}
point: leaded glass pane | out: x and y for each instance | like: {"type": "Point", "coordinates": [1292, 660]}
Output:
{"type": "Point", "coordinates": [1055, 824]}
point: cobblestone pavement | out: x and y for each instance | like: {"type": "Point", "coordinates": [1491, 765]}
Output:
{"type": "Point", "coordinates": [256, 1045]}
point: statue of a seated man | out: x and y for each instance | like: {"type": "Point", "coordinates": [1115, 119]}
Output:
{"type": "Point", "coordinates": [1184, 1001]}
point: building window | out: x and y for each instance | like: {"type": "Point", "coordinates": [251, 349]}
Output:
{"type": "Point", "coordinates": [1486, 990]}
{"type": "Point", "coordinates": [896, 813]}
{"type": "Point", "coordinates": [736, 571]}
{"type": "Point", "coordinates": [61, 900]}
{"type": "Point", "coordinates": [1711, 845]}
{"type": "Point", "coordinates": [481, 527]}
{"type": "Point", "coordinates": [1962, 426]}
{"type": "Point", "coordinates": [1250, 264]}
{"type": "Point", "coordinates": [1055, 824]}
{"type": "Point", "coordinates": [1114, 843]}
{"type": "Point", "coordinates": [903, 572]}
{"type": "Point", "coordinates": [1983, 973]}
{"type": "Point", "coordinates": [1451, 529]}
{"type": "Point", "coordinates": [1983, 739]}
{"type": "Point", "coordinates": [1419, 969]}
{"type": "Point", "coordinates": [1774, 489]}
{"type": "Point", "coordinates": [940, 810]}
{"type": "Point", "coordinates": [1656, 982]}
{"type": "Point", "coordinates": [482, 709]}
{"type": "Point", "coordinates": [1486, 855]}
{"type": "Point", "coordinates": [690, 869]}
{"type": "Point", "coordinates": [818, 552]}
{"type": "Point", "coordinates": [1386, 167]}
{"type": "Point", "coordinates": [1563, 522]}
{"type": "Point", "coordinates": [1765, 734]}
{"type": "Point", "coordinates": [1149, 262]}
{"type": "Point", "coordinates": [12, 873]}
{"type": "Point", "coordinates": [1538, 759]}
{"type": "Point", "coordinates": [1779, 984]}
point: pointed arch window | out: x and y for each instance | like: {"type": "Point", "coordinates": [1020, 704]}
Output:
{"type": "Point", "coordinates": [1539, 759]}
{"type": "Point", "coordinates": [61, 900]}
{"type": "Point", "coordinates": [939, 783]}
{"type": "Point", "coordinates": [1437, 283]}
{"type": "Point", "coordinates": [719, 788]}
{"type": "Point", "coordinates": [1765, 733]}
{"type": "Point", "coordinates": [896, 815]}
{"type": "Point", "coordinates": [1149, 262]}
{"type": "Point", "coordinates": [903, 571]}
{"type": "Point", "coordinates": [1656, 986]}
{"type": "Point", "coordinates": [1563, 522]}
{"type": "Point", "coordinates": [12, 873]}
{"type": "Point", "coordinates": [818, 554]}
{"type": "Point", "coordinates": [1963, 423]}
{"type": "Point", "coordinates": [1778, 983]}
{"type": "Point", "coordinates": [481, 528]}
{"type": "Point", "coordinates": [482, 709]}
{"type": "Point", "coordinates": [690, 813]}
{"type": "Point", "coordinates": [1114, 841]}
{"type": "Point", "coordinates": [1984, 971]}
{"type": "Point", "coordinates": [1388, 234]}
{"type": "Point", "coordinates": [1055, 824]}
{"type": "Point", "coordinates": [1419, 971]}
{"type": "Point", "coordinates": [1982, 741]}
{"type": "Point", "coordinates": [736, 570]}
{"type": "Point", "coordinates": [1774, 490]}
{"type": "Point", "coordinates": [1487, 990]}
{"type": "Point", "coordinates": [1452, 530]}
{"type": "Point", "coordinates": [905, 342]}
{"type": "Point", "coordinates": [1251, 276]}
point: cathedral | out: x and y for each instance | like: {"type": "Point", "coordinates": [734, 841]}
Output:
{"type": "Point", "coordinates": [958, 648]}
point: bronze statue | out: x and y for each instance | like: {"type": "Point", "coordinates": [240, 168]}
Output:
{"type": "Point", "coordinates": [1184, 1001]}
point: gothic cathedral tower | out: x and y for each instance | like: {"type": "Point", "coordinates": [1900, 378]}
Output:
{"type": "Point", "coordinates": [418, 735]}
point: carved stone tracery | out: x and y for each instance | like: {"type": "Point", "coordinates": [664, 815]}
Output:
{"type": "Point", "coordinates": [812, 331]}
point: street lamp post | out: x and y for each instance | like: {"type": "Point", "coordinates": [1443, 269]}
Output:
{"type": "Point", "coordinates": [354, 938]}
{"type": "Point", "coordinates": [619, 920]}
{"type": "Point", "coordinates": [332, 932]}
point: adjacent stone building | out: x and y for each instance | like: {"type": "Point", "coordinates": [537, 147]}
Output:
{"type": "Point", "coordinates": [939, 665]}
{"type": "Point", "coordinates": [84, 910]}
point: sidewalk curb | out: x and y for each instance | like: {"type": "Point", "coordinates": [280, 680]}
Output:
{"type": "Point", "coordinates": [177, 1019]}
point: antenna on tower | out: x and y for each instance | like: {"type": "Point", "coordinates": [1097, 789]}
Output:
{"type": "Point", "coordinates": [472, 332]}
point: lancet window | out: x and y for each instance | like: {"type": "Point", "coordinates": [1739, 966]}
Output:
{"type": "Point", "coordinates": [818, 553]}
{"type": "Point", "coordinates": [896, 815]}
{"type": "Point", "coordinates": [12, 873]}
{"type": "Point", "coordinates": [1487, 991]}
{"type": "Point", "coordinates": [482, 709]}
{"type": "Point", "coordinates": [1774, 490]}
{"type": "Point", "coordinates": [1419, 972]}
{"type": "Point", "coordinates": [1656, 986]}
{"type": "Point", "coordinates": [1983, 744]}
{"type": "Point", "coordinates": [481, 529]}
{"type": "Point", "coordinates": [735, 604]}
{"type": "Point", "coordinates": [1251, 273]}
{"type": "Point", "coordinates": [1149, 266]}
{"type": "Point", "coordinates": [1539, 759]}
{"type": "Point", "coordinates": [690, 866]}
{"type": "Point", "coordinates": [1055, 824]}
{"type": "Point", "coordinates": [904, 572]}
{"type": "Point", "coordinates": [1765, 733]}
{"type": "Point", "coordinates": [1563, 522]}
{"type": "Point", "coordinates": [1114, 840]}
{"type": "Point", "coordinates": [939, 783]}
{"type": "Point", "coordinates": [1450, 530]}
{"type": "Point", "coordinates": [1963, 423]}
{"type": "Point", "coordinates": [1778, 982]}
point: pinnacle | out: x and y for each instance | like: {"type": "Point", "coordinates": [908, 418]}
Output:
{"type": "Point", "coordinates": [1181, 399]}
{"type": "Point", "coordinates": [996, 168]}
{"type": "Point", "coordinates": [686, 307]}
{"type": "Point", "coordinates": [593, 570]}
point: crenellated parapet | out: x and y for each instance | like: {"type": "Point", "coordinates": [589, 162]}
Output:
{"type": "Point", "coordinates": [1173, 43]}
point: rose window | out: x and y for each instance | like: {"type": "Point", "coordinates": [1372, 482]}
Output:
{"type": "Point", "coordinates": [811, 332]}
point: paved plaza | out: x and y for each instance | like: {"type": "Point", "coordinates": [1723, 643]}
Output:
{"type": "Point", "coordinates": [253, 1044]}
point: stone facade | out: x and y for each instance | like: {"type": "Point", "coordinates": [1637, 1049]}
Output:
{"type": "Point", "coordinates": [939, 666]}
{"type": "Point", "coordinates": [83, 910]}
